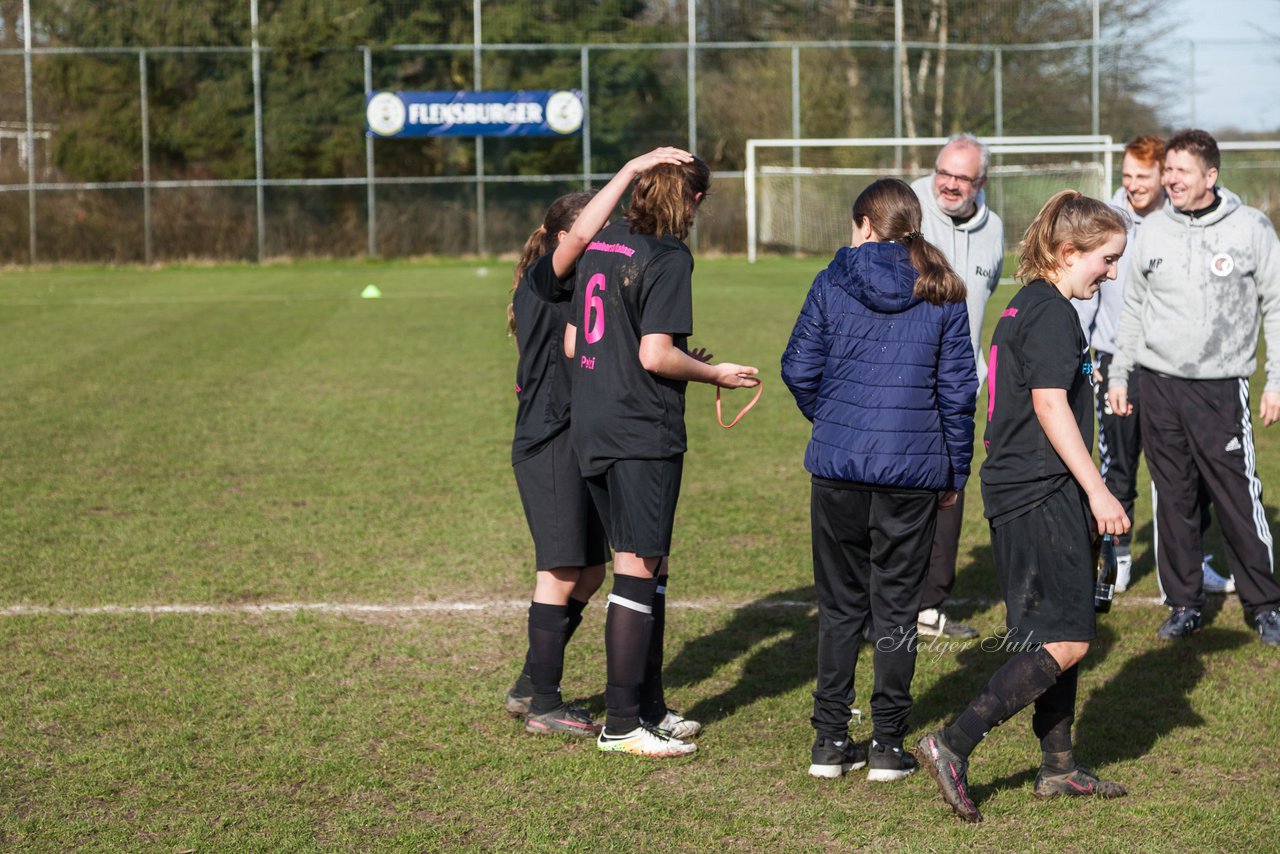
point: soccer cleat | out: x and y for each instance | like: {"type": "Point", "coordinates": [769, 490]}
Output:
{"type": "Point", "coordinates": [831, 758]}
{"type": "Point", "coordinates": [677, 726]}
{"type": "Point", "coordinates": [568, 719]}
{"type": "Point", "coordinates": [644, 740]}
{"type": "Point", "coordinates": [952, 773]}
{"type": "Point", "coordinates": [1182, 623]}
{"type": "Point", "coordinates": [934, 623]}
{"type": "Point", "coordinates": [1124, 568]}
{"type": "Point", "coordinates": [515, 705]}
{"type": "Point", "coordinates": [1080, 781]}
{"type": "Point", "coordinates": [1213, 582]}
{"type": "Point", "coordinates": [1268, 623]}
{"type": "Point", "coordinates": [889, 763]}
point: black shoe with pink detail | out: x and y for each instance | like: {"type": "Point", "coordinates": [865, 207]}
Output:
{"type": "Point", "coordinates": [951, 771]}
{"type": "Point", "coordinates": [566, 719]}
{"type": "Point", "coordinates": [1078, 782]}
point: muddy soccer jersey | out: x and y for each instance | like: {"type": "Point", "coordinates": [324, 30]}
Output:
{"type": "Point", "coordinates": [1038, 343]}
{"type": "Point", "coordinates": [628, 286]}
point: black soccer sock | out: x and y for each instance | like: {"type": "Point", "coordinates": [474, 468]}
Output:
{"type": "Point", "coordinates": [1014, 686]}
{"type": "Point", "coordinates": [523, 686]}
{"type": "Point", "coordinates": [627, 629]}
{"type": "Point", "coordinates": [548, 625]}
{"type": "Point", "coordinates": [575, 617]}
{"type": "Point", "coordinates": [1054, 715]}
{"type": "Point", "coordinates": [653, 698]}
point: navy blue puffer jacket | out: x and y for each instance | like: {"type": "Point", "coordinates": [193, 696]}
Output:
{"type": "Point", "coordinates": [888, 380]}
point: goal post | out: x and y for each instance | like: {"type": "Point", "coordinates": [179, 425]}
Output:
{"type": "Point", "coordinates": [799, 191]}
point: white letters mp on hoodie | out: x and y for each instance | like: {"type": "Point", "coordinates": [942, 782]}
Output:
{"type": "Point", "coordinates": [975, 249]}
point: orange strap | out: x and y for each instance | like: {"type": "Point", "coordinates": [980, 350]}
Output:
{"type": "Point", "coordinates": [745, 409]}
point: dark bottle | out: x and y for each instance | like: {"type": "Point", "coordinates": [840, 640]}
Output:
{"type": "Point", "coordinates": [1104, 561]}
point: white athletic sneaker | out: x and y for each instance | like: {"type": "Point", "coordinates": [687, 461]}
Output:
{"type": "Point", "coordinates": [1213, 582]}
{"type": "Point", "coordinates": [1124, 568]}
{"type": "Point", "coordinates": [677, 726]}
{"type": "Point", "coordinates": [932, 622]}
{"type": "Point", "coordinates": [644, 740]}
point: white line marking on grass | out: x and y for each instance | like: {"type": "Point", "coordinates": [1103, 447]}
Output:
{"type": "Point", "coordinates": [709, 604]}
{"type": "Point", "coordinates": [207, 298]}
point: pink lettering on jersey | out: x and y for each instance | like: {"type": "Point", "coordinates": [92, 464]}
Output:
{"type": "Point", "coordinates": [991, 379]}
{"type": "Point", "coordinates": [518, 389]}
{"type": "Point", "coordinates": [1010, 312]}
{"type": "Point", "coordinates": [588, 363]}
{"type": "Point", "coordinates": [616, 248]}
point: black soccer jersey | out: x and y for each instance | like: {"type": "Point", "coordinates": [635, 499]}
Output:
{"type": "Point", "coordinates": [542, 372]}
{"type": "Point", "coordinates": [628, 285]}
{"type": "Point", "coordinates": [1038, 343]}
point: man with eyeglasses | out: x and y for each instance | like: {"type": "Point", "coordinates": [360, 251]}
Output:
{"type": "Point", "coordinates": [958, 221]}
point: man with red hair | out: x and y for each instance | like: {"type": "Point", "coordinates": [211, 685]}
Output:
{"type": "Point", "coordinates": [1119, 438]}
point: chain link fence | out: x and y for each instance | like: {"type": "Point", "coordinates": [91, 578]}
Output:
{"type": "Point", "coordinates": [157, 131]}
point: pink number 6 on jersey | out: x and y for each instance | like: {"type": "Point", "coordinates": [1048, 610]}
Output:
{"type": "Point", "coordinates": [594, 331]}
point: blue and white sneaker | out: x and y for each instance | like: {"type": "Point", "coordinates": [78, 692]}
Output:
{"type": "Point", "coordinates": [1213, 582]}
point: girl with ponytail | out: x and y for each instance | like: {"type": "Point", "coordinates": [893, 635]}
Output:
{"type": "Point", "coordinates": [881, 362]}
{"type": "Point", "coordinates": [1044, 499]}
{"type": "Point", "coordinates": [569, 540]}
{"type": "Point", "coordinates": [630, 322]}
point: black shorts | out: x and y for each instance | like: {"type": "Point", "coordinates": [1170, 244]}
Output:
{"type": "Point", "coordinates": [566, 528]}
{"type": "Point", "coordinates": [637, 501]}
{"type": "Point", "coordinates": [1044, 563]}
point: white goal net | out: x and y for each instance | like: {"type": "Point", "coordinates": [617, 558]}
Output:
{"type": "Point", "coordinates": [800, 192]}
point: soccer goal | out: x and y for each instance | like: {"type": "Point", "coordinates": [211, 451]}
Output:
{"type": "Point", "coordinates": [799, 192]}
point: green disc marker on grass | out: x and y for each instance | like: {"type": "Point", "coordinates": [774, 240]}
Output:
{"type": "Point", "coordinates": [371, 292]}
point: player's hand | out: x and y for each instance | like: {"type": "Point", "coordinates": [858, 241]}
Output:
{"type": "Point", "coordinates": [657, 157]}
{"type": "Point", "coordinates": [1118, 399]}
{"type": "Point", "coordinates": [1098, 378]}
{"type": "Point", "coordinates": [948, 499]}
{"type": "Point", "coordinates": [1269, 409]}
{"type": "Point", "coordinates": [729, 375]}
{"type": "Point", "coordinates": [1108, 513]}
{"type": "Point", "coordinates": [701, 355]}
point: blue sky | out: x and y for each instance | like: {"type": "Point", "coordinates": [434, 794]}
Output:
{"type": "Point", "coordinates": [1236, 84]}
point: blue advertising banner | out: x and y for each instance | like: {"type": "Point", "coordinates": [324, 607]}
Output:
{"type": "Point", "coordinates": [544, 112]}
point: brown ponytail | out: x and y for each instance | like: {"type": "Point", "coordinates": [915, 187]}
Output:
{"type": "Point", "coordinates": [560, 217]}
{"type": "Point", "coordinates": [894, 211]}
{"type": "Point", "coordinates": [665, 199]}
{"type": "Point", "coordinates": [1069, 218]}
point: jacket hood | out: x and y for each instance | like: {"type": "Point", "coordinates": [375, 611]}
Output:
{"type": "Point", "coordinates": [1230, 204]}
{"type": "Point", "coordinates": [929, 203]}
{"type": "Point", "coordinates": [878, 275]}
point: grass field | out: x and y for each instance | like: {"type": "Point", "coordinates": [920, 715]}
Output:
{"type": "Point", "coordinates": [222, 439]}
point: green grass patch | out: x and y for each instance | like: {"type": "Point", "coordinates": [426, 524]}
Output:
{"type": "Point", "coordinates": [231, 435]}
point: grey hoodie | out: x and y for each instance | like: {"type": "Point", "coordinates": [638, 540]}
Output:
{"type": "Point", "coordinates": [1197, 293]}
{"type": "Point", "coordinates": [976, 251]}
{"type": "Point", "coordinates": [1100, 316]}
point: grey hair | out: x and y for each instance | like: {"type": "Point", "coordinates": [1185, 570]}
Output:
{"type": "Point", "coordinates": [969, 139]}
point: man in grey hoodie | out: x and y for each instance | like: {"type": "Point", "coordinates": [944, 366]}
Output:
{"type": "Point", "coordinates": [1119, 438]}
{"type": "Point", "coordinates": [958, 222]}
{"type": "Point", "coordinates": [1204, 276]}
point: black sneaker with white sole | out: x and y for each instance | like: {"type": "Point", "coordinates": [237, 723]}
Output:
{"type": "Point", "coordinates": [888, 763]}
{"type": "Point", "coordinates": [833, 758]}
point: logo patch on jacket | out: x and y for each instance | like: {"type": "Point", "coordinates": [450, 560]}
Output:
{"type": "Point", "coordinates": [1233, 445]}
{"type": "Point", "coordinates": [1222, 264]}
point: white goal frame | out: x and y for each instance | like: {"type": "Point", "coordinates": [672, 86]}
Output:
{"type": "Point", "coordinates": [1082, 144]}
